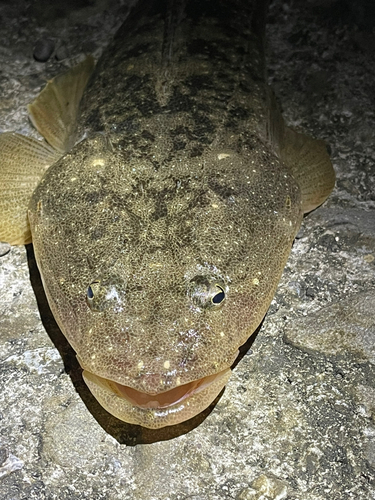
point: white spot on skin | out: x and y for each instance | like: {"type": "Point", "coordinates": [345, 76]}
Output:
{"type": "Point", "coordinates": [221, 156]}
{"type": "Point", "coordinates": [98, 162]}
{"type": "Point", "coordinates": [255, 281]}
{"type": "Point", "coordinates": [140, 365]}
{"type": "Point", "coordinates": [166, 364]}
{"type": "Point", "coordinates": [112, 294]}
{"type": "Point", "coordinates": [178, 381]}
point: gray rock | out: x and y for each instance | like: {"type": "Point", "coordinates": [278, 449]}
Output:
{"type": "Point", "coordinates": [43, 49]}
{"type": "Point", "coordinates": [61, 52]}
{"type": "Point", "coordinates": [348, 326]}
{"type": "Point", "coordinates": [296, 420]}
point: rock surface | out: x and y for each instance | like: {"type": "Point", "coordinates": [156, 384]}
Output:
{"type": "Point", "coordinates": [296, 420]}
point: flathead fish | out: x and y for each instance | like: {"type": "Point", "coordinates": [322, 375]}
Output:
{"type": "Point", "coordinates": [163, 203]}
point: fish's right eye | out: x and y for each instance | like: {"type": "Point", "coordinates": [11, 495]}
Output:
{"type": "Point", "coordinates": [106, 293]}
{"type": "Point", "coordinates": [93, 296]}
{"type": "Point", "coordinates": [219, 296]}
{"type": "Point", "coordinates": [92, 289]}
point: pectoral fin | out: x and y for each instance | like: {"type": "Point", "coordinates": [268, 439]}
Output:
{"type": "Point", "coordinates": [23, 161]}
{"type": "Point", "coordinates": [305, 157]}
{"type": "Point", "coordinates": [309, 162]}
{"type": "Point", "coordinates": [54, 112]}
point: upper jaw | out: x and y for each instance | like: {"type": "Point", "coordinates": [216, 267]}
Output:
{"type": "Point", "coordinates": [167, 398]}
{"type": "Point", "coordinates": [157, 411]}
{"type": "Point", "coordinates": [126, 382]}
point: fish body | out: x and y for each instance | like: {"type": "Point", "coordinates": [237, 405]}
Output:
{"type": "Point", "coordinates": [162, 234]}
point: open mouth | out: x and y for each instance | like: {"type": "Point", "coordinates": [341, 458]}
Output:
{"type": "Point", "coordinates": [156, 410]}
{"type": "Point", "coordinates": [163, 399]}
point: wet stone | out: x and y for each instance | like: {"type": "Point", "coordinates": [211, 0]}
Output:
{"type": "Point", "coordinates": [346, 326]}
{"type": "Point", "coordinates": [4, 249]}
{"type": "Point", "coordinates": [61, 52]}
{"type": "Point", "coordinates": [43, 49]}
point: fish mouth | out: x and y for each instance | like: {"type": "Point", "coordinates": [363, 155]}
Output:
{"type": "Point", "coordinates": [156, 410]}
{"type": "Point", "coordinates": [163, 399]}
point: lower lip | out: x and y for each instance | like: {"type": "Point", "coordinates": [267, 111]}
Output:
{"type": "Point", "coordinates": [167, 398]}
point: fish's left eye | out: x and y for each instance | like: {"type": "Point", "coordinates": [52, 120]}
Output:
{"type": "Point", "coordinates": [219, 296]}
{"type": "Point", "coordinates": [206, 293]}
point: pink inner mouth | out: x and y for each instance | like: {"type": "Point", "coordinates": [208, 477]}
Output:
{"type": "Point", "coordinates": [164, 399]}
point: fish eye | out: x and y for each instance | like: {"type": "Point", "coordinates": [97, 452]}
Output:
{"type": "Point", "coordinates": [218, 298]}
{"type": "Point", "coordinates": [206, 292]}
{"type": "Point", "coordinates": [107, 292]}
{"type": "Point", "coordinates": [92, 289]}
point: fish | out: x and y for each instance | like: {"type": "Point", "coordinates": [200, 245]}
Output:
{"type": "Point", "coordinates": [162, 203]}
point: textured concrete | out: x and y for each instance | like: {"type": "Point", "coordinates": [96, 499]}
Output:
{"type": "Point", "coordinates": [296, 420]}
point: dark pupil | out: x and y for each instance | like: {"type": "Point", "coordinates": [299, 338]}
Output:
{"type": "Point", "coordinates": [90, 293]}
{"type": "Point", "coordinates": [219, 297]}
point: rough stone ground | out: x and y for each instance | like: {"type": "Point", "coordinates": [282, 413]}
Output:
{"type": "Point", "coordinates": [296, 420]}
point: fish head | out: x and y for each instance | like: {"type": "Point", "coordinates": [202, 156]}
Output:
{"type": "Point", "coordinates": [156, 340]}
{"type": "Point", "coordinates": [157, 280]}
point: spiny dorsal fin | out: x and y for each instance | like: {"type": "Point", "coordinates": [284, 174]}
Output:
{"type": "Point", "coordinates": [23, 161]}
{"type": "Point", "coordinates": [54, 112]}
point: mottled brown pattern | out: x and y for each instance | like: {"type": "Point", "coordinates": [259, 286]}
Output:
{"type": "Point", "coordinates": [176, 194]}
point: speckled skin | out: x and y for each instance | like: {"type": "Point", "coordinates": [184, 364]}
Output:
{"type": "Point", "coordinates": [176, 194]}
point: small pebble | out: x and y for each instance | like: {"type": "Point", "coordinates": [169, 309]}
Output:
{"type": "Point", "coordinates": [310, 292]}
{"type": "Point", "coordinates": [61, 53]}
{"type": "Point", "coordinates": [43, 49]}
{"type": "Point", "coordinates": [301, 233]}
